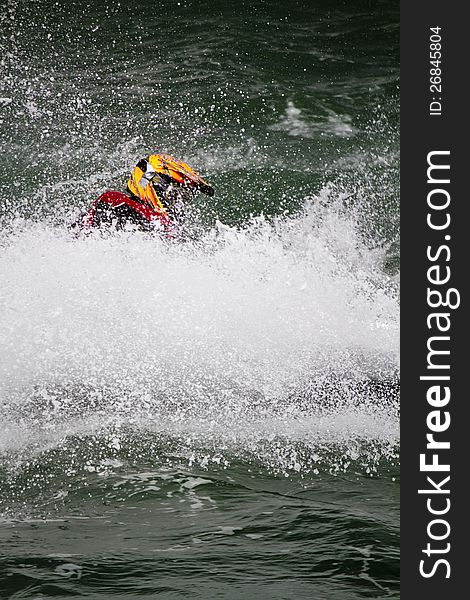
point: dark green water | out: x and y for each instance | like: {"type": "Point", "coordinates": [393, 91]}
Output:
{"type": "Point", "coordinates": [217, 417]}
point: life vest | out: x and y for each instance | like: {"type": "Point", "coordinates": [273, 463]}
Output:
{"type": "Point", "coordinates": [117, 209]}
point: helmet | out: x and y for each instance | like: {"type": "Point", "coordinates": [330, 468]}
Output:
{"type": "Point", "coordinates": [163, 182]}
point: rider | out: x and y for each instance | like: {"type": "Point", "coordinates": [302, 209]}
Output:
{"type": "Point", "coordinates": [157, 191]}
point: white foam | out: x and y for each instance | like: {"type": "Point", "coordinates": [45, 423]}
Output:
{"type": "Point", "coordinates": [295, 124]}
{"type": "Point", "coordinates": [215, 328]}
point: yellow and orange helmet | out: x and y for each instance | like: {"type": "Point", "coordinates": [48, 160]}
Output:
{"type": "Point", "coordinates": [160, 181]}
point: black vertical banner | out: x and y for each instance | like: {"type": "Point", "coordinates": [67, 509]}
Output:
{"type": "Point", "coordinates": [435, 436]}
